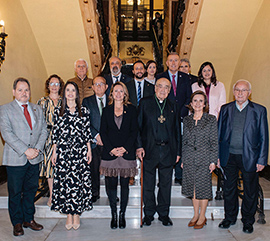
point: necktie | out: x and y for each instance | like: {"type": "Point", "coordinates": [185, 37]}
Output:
{"type": "Point", "coordinates": [116, 78]}
{"type": "Point", "coordinates": [174, 85]}
{"type": "Point", "coordinates": [27, 116]}
{"type": "Point", "coordinates": [101, 105]}
{"type": "Point", "coordinates": [139, 94]}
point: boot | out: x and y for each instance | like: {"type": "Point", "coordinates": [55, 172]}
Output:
{"type": "Point", "coordinates": [122, 220]}
{"type": "Point", "coordinates": [114, 220]}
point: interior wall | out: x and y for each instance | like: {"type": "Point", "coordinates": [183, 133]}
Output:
{"type": "Point", "coordinates": [254, 61]}
{"type": "Point", "coordinates": [23, 57]}
{"type": "Point", "coordinates": [222, 31]}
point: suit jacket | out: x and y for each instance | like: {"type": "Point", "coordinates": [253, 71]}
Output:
{"type": "Point", "coordinates": [183, 91]}
{"type": "Point", "coordinates": [217, 96]}
{"type": "Point", "coordinates": [192, 79]}
{"type": "Point", "coordinates": [124, 79]}
{"type": "Point", "coordinates": [255, 135]}
{"type": "Point", "coordinates": [113, 137]}
{"type": "Point", "coordinates": [148, 125]}
{"type": "Point", "coordinates": [91, 104]}
{"type": "Point", "coordinates": [18, 136]}
{"type": "Point", "coordinates": [148, 90]}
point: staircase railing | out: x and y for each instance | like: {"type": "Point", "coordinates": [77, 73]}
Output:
{"type": "Point", "coordinates": [157, 51]}
{"type": "Point", "coordinates": [176, 31]}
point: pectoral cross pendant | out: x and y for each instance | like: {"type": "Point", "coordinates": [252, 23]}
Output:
{"type": "Point", "coordinates": [161, 119]}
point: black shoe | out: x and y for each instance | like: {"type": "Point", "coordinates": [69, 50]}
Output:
{"type": "Point", "coordinates": [117, 199]}
{"type": "Point", "coordinates": [147, 220]}
{"type": "Point", "coordinates": [122, 220]}
{"type": "Point", "coordinates": [114, 221]}
{"type": "Point", "coordinates": [226, 223]}
{"type": "Point", "coordinates": [95, 198]}
{"type": "Point", "coordinates": [179, 181]}
{"type": "Point", "coordinates": [166, 221]}
{"type": "Point", "coordinates": [248, 228]}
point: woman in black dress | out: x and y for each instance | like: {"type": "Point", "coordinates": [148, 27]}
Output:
{"type": "Point", "coordinates": [71, 157]}
{"type": "Point", "coordinates": [199, 156]}
{"type": "Point", "coordinates": [118, 131]}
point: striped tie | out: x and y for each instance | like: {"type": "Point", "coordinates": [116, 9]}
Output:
{"type": "Point", "coordinates": [139, 93]}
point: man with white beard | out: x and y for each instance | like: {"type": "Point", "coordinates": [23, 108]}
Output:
{"type": "Point", "coordinates": [115, 75]}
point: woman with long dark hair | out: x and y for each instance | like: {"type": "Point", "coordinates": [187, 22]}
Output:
{"type": "Point", "coordinates": [71, 157]}
{"type": "Point", "coordinates": [53, 87]}
{"type": "Point", "coordinates": [214, 89]}
{"type": "Point", "coordinates": [151, 70]}
{"type": "Point", "coordinates": [118, 131]}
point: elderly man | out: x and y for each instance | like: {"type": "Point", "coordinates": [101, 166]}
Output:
{"type": "Point", "coordinates": [159, 146]}
{"type": "Point", "coordinates": [243, 145]}
{"type": "Point", "coordinates": [139, 87]}
{"type": "Point", "coordinates": [180, 93]}
{"type": "Point", "coordinates": [81, 79]}
{"type": "Point", "coordinates": [115, 75]}
{"type": "Point", "coordinates": [24, 131]}
{"type": "Point", "coordinates": [185, 67]}
{"type": "Point", "coordinates": [95, 105]}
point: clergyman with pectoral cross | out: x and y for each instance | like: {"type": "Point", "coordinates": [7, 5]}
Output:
{"type": "Point", "coordinates": [159, 145]}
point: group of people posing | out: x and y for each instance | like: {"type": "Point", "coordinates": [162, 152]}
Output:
{"type": "Point", "coordinates": [87, 127]}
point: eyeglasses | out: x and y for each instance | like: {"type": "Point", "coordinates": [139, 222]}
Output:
{"type": "Point", "coordinates": [240, 91]}
{"type": "Point", "coordinates": [99, 84]}
{"type": "Point", "coordinates": [56, 84]}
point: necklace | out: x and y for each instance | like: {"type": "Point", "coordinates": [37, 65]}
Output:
{"type": "Point", "coordinates": [161, 118]}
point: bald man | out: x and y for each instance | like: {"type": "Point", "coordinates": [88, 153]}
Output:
{"type": "Point", "coordinates": [159, 145]}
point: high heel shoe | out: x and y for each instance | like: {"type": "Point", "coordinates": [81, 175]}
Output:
{"type": "Point", "coordinates": [200, 226]}
{"type": "Point", "coordinates": [192, 224]}
{"type": "Point", "coordinates": [114, 220]}
{"type": "Point", "coordinates": [122, 220]}
{"type": "Point", "coordinates": [69, 223]}
{"type": "Point", "coordinates": [76, 221]}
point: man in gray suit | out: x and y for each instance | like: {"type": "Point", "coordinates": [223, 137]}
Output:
{"type": "Point", "coordinates": [24, 131]}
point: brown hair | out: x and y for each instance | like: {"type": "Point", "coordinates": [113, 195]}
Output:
{"type": "Point", "coordinates": [61, 82]}
{"type": "Point", "coordinates": [126, 96]}
{"type": "Point", "coordinates": [205, 108]}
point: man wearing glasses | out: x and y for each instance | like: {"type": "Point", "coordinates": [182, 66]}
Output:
{"type": "Point", "coordinates": [243, 145]}
{"type": "Point", "coordinates": [159, 145]}
{"type": "Point", "coordinates": [95, 105]}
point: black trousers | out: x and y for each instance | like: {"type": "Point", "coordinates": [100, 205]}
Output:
{"type": "Point", "coordinates": [94, 166]}
{"type": "Point", "coordinates": [111, 187]}
{"type": "Point", "coordinates": [161, 159]}
{"type": "Point", "coordinates": [250, 184]}
{"type": "Point", "coordinates": [22, 188]}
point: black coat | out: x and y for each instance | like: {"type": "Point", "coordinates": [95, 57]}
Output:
{"type": "Point", "coordinates": [148, 124]}
{"type": "Point", "coordinates": [91, 104]}
{"type": "Point", "coordinates": [183, 91]}
{"type": "Point", "coordinates": [148, 90]}
{"type": "Point", "coordinates": [124, 79]}
{"type": "Point", "coordinates": [112, 137]}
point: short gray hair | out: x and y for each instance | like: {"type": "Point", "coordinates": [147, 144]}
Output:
{"type": "Point", "coordinates": [185, 60]}
{"type": "Point", "coordinates": [80, 60]}
{"type": "Point", "coordinates": [242, 80]}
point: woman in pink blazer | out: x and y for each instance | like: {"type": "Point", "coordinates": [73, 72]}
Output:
{"type": "Point", "coordinates": [215, 90]}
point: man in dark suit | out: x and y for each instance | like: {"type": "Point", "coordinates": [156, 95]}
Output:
{"type": "Point", "coordinates": [180, 93]}
{"type": "Point", "coordinates": [115, 75]}
{"type": "Point", "coordinates": [185, 67]}
{"type": "Point", "coordinates": [24, 131]}
{"type": "Point", "coordinates": [138, 87]}
{"type": "Point", "coordinates": [159, 145]}
{"type": "Point", "coordinates": [95, 105]}
{"type": "Point", "coordinates": [243, 145]}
